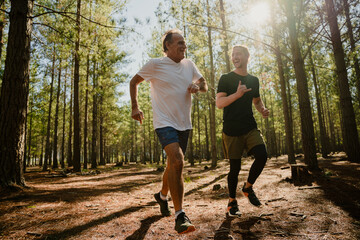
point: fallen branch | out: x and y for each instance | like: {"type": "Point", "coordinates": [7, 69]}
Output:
{"type": "Point", "coordinates": [276, 199]}
{"type": "Point", "coordinates": [297, 214]}
{"type": "Point", "coordinates": [265, 214]}
{"type": "Point", "coordinates": [34, 234]}
{"type": "Point", "coordinates": [304, 188]}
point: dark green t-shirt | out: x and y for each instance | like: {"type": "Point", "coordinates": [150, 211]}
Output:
{"type": "Point", "coordinates": [238, 117]}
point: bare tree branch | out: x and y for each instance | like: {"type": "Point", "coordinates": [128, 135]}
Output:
{"type": "Point", "coordinates": [61, 33]}
{"type": "Point", "coordinates": [3, 10]}
{"type": "Point", "coordinates": [65, 14]}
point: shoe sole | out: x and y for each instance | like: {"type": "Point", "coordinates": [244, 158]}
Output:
{"type": "Point", "coordinates": [231, 215]}
{"type": "Point", "coordinates": [246, 195]}
{"type": "Point", "coordinates": [189, 229]}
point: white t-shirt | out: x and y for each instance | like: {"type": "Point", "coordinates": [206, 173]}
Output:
{"type": "Point", "coordinates": [171, 102]}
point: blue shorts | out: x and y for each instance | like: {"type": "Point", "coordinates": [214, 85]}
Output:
{"type": "Point", "coordinates": [169, 135]}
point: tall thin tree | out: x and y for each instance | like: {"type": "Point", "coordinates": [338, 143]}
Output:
{"type": "Point", "coordinates": [349, 130]}
{"type": "Point", "coordinates": [77, 140]}
{"type": "Point", "coordinates": [47, 144]}
{"type": "Point", "coordinates": [307, 125]}
{"type": "Point", "coordinates": [354, 52]}
{"type": "Point", "coordinates": [212, 91]}
{"type": "Point", "coordinates": [55, 145]}
{"type": "Point", "coordinates": [284, 98]}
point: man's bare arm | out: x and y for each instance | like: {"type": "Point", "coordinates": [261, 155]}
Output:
{"type": "Point", "coordinates": [136, 113]}
{"type": "Point", "coordinates": [223, 100]}
{"type": "Point", "coordinates": [199, 86]}
{"type": "Point", "coordinates": [202, 84]}
{"type": "Point", "coordinates": [259, 105]}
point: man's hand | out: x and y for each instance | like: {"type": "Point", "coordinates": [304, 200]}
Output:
{"type": "Point", "coordinates": [241, 90]}
{"type": "Point", "coordinates": [264, 112]}
{"type": "Point", "coordinates": [193, 88]}
{"type": "Point", "coordinates": [137, 114]}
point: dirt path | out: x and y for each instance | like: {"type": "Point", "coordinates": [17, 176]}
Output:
{"type": "Point", "coordinates": [119, 204]}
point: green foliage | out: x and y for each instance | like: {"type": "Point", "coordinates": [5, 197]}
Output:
{"type": "Point", "coordinates": [103, 34]}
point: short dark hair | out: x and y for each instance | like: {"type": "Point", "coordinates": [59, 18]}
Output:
{"type": "Point", "coordinates": [167, 37]}
{"type": "Point", "coordinates": [243, 48]}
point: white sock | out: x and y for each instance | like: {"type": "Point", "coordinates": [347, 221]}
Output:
{"type": "Point", "coordinates": [163, 197]}
{"type": "Point", "coordinates": [177, 213]}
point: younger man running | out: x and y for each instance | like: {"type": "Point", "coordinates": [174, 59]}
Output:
{"type": "Point", "coordinates": [237, 91]}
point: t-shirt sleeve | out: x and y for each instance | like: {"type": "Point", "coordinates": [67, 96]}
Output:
{"type": "Point", "coordinates": [256, 90]}
{"type": "Point", "coordinates": [148, 70]}
{"type": "Point", "coordinates": [196, 73]}
{"type": "Point", "coordinates": [222, 86]}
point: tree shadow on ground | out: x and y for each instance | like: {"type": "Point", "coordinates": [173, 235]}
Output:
{"type": "Point", "coordinates": [145, 225]}
{"type": "Point", "coordinates": [75, 194]}
{"type": "Point", "coordinates": [343, 194]}
{"type": "Point", "coordinates": [78, 229]}
{"type": "Point", "coordinates": [242, 228]}
{"type": "Point", "coordinates": [126, 174]}
{"type": "Point", "coordinates": [224, 230]}
{"type": "Point", "coordinates": [140, 232]}
{"type": "Point", "coordinates": [205, 185]}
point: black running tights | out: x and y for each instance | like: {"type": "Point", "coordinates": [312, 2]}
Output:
{"type": "Point", "coordinates": [260, 154]}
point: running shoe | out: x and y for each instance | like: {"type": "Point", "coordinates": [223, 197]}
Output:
{"type": "Point", "coordinates": [233, 209]}
{"type": "Point", "coordinates": [250, 194]}
{"type": "Point", "coordinates": [183, 224]}
{"type": "Point", "coordinates": [164, 207]}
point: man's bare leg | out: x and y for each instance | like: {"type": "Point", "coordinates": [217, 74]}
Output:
{"type": "Point", "coordinates": [176, 185]}
{"type": "Point", "coordinates": [173, 171]}
{"type": "Point", "coordinates": [165, 185]}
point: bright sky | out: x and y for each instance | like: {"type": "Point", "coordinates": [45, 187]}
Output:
{"type": "Point", "coordinates": [141, 9]}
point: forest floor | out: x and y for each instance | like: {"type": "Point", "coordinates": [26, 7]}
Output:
{"type": "Point", "coordinates": [118, 203]}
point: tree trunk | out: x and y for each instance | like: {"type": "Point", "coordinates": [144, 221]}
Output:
{"type": "Point", "coordinates": [143, 155]}
{"type": "Point", "coordinates": [307, 125]}
{"type": "Point", "coordinates": [331, 125]}
{"type": "Point", "coordinates": [132, 142]}
{"type": "Point", "coordinates": [94, 122]}
{"type": "Point", "coordinates": [199, 131]}
{"type": "Point", "coordinates": [55, 152]}
{"type": "Point", "coordinates": [25, 139]}
{"type": "Point", "coordinates": [149, 134]}
{"type": "Point", "coordinates": [42, 149]}
{"type": "Point", "coordinates": [29, 142]}
{"type": "Point", "coordinates": [69, 155]}
{"type": "Point", "coordinates": [212, 93]}
{"type": "Point", "coordinates": [225, 37]}
{"type": "Point", "coordinates": [350, 134]}
{"type": "Point", "coordinates": [101, 140]}
{"type": "Point", "coordinates": [14, 92]}
{"type": "Point", "coordinates": [62, 160]}
{"type": "Point", "coordinates": [323, 134]}
{"type": "Point", "coordinates": [86, 112]}
{"type": "Point", "coordinates": [206, 140]}
{"type": "Point", "coordinates": [352, 47]}
{"type": "Point", "coordinates": [47, 159]}
{"type": "Point", "coordinates": [77, 140]}
{"type": "Point", "coordinates": [285, 106]}
{"type": "Point", "coordinates": [191, 148]}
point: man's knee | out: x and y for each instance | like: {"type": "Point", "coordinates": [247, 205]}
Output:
{"type": "Point", "coordinates": [235, 164]}
{"type": "Point", "coordinates": [177, 163]}
{"type": "Point", "coordinates": [176, 160]}
{"type": "Point", "coordinates": [259, 152]}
